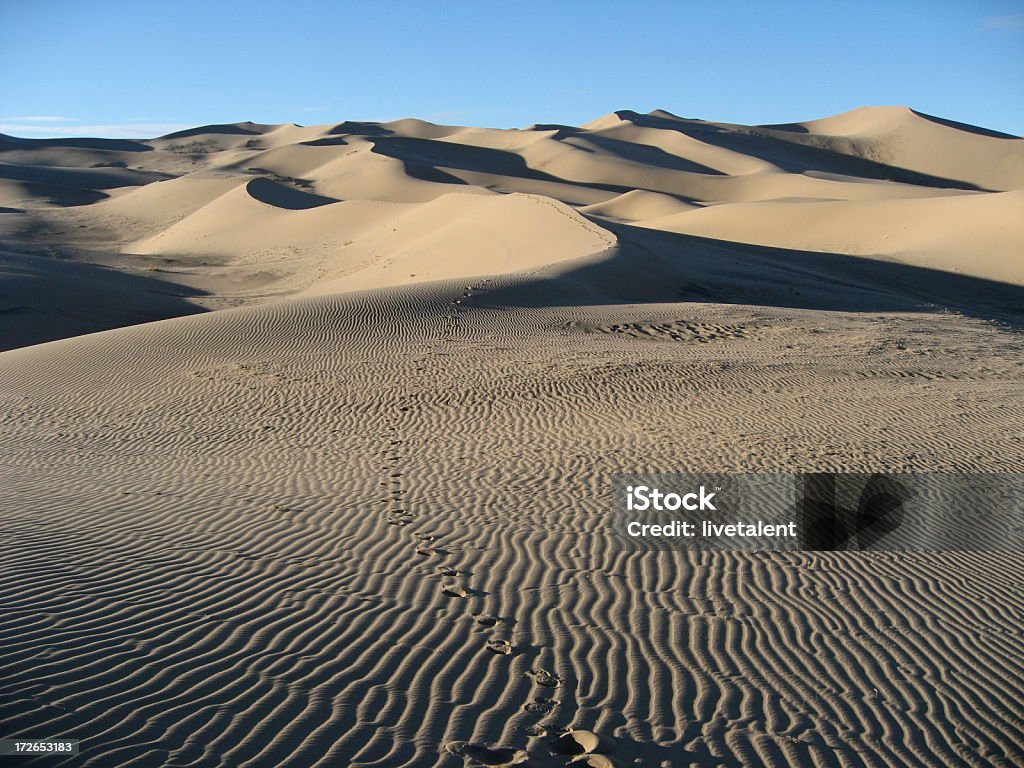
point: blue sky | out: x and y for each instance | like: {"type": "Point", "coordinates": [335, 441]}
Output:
{"type": "Point", "coordinates": [139, 68]}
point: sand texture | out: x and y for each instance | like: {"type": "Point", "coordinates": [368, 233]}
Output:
{"type": "Point", "coordinates": [303, 432]}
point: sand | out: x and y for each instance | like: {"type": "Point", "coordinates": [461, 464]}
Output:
{"type": "Point", "coordinates": [332, 501]}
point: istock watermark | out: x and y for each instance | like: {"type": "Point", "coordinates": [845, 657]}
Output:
{"type": "Point", "coordinates": [819, 511]}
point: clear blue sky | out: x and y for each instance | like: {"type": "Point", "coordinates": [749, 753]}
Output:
{"type": "Point", "coordinates": [133, 67]}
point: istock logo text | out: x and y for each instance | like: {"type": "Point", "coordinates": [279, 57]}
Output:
{"type": "Point", "coordinates": [641, 498]}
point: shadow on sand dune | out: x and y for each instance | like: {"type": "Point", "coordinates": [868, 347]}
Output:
{"type": "Point", "coordinates": [75, 186]}
{"type": "Point", "coordinates": [967, 127]}
{"type": "Point", "coordinates": [281, 196]}
{"type": "Point", "coordinates": [652, 266]}
{"type": "Point", "coordinates": [44, 299]}
{"type": "Point", "coordinates": [648, 155]}
{"type": "Point", "coordinates": [226, 129]}
{"type": "Point", "coordinates": [10, 143]}
{"type": "Point", "coordinates": [431, 160]}
{"type": "Point", "coordinates": [798, 155]}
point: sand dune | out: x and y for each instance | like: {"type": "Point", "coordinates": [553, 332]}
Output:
{"type": "Point", "coordinates": [979, 235]}
{"type": "Point", "coordinates": [638, 204]}
{"type": "Point", "coordinates": [348, 516]}
{"type": "Point", "coordinates": [241, 213]}
{"type": "Point", "coordinates": [907, 139]}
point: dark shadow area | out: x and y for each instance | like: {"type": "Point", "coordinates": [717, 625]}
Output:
{"type": "Point", "coordinates": [647, 155]}
{"type": "Point", "coordinates": [226, 129]}
{"type": "Point", "coordinates": [453, 155]}
{"type": "Point", "coordinates": [424, 159]}
{"type": "Point", "coordinates": [66, 197]}
{"type": "Point", "coordinates": [111, 145]}
{"type": "Point", "coordinates": [967, 127]}
{"type": "Point", "coordinates": [43, 299]}
{"type": "Point", "coordinates": [333, 141]}
{"type": "Point", "coordinates": [355, 128]}
{"type": "Point", "coordinates": [661, 267]}
{"type": "Point", "coordinates": [429, 173]}
{"type": "Point", "coordinates": [280, 196]}
{"type": "Point", "coordinates": [561, 131]}
{"type": "Point", "coordinates": [789, 127]}
{"type": "Point", "coordinates": [293, 181]}
{"type": "Point", "coordinates": [80, 178]}
{"type": "Point", "coordinates": [793, 156]}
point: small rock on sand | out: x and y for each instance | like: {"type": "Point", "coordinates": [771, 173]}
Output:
{"type": "Point", "coordinates": [593, 761]}
{"type": "Point", "coordinates": [580, 742]}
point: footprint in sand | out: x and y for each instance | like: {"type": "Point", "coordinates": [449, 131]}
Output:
{"type": "Point", "coordinates": [541, 706]}
{"type": "Point", "coordinates": [545, 678]}
{"type": "Point", "coordinates": [486, 619]}
{"type": "Point", "coordinates": [501, 647]}
{"type": "Point", "coordinates": [454, 590]}
{"type": "Point", "coordinates": [478, 754]}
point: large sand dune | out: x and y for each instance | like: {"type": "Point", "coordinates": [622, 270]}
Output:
{"type": "Point", "coordinates": [298, 529]}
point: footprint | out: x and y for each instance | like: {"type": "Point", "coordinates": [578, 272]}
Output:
{"type": "Point", "coordinates": [501, 647]}
{"type": "Point", "coordinates": [453, 590]}
{"type": "Point", "coordinates": [545, 678]}
{"type": "Point", "coordinates": [481, 755]}
{"type": "Point", "coordinates": [541, 706]}
{"type": "Point", "coordinates": [486, 619]}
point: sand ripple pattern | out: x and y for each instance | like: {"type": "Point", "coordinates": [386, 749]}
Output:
{"type": "Point", "coordinates": [303, 535]}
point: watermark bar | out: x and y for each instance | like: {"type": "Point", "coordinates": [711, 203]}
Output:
{"type": "Point", "coordinates": [39, 747]}
{"type": "Point", "coordinates": [819, 511]}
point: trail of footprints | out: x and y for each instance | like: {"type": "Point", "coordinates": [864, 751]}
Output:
{"type": "Point", "coordinates": [543, 703]}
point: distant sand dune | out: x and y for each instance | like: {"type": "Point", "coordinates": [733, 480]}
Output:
{"type": "Point", "coordinates": [979, 235]}
{"type": "Point", "coordinates": [243, 213]}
